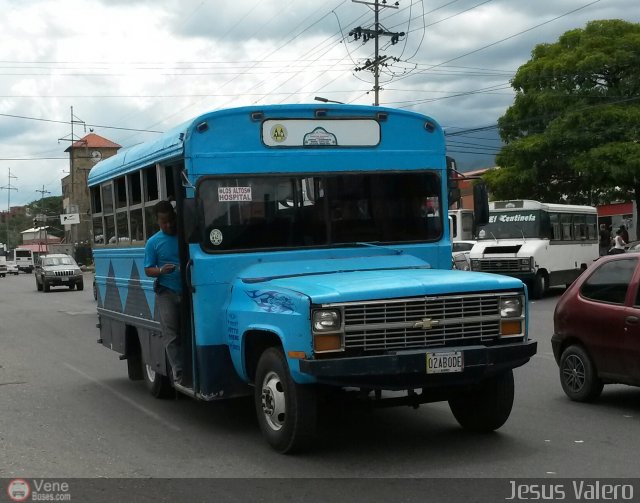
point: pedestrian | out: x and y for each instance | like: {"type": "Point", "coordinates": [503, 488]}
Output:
{"type": "Point", "coordinates": [625, 233]}
{"type": "Point", "coordinates": [161, 261]}
{"type": "Point", "coordinates": [618, 244]}
{"type": "Point", "coordinates": [605, 240]}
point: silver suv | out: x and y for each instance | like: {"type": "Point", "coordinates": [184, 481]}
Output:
{"type": "Point", "coordinates": [58, 270]}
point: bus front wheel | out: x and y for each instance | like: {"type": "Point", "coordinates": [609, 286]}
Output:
{"type": "Point", "coordinates": [286, 410]}
{"type": "Point", "coordinates": [539, 285]}
{"type": "Point", "coordinates": [486, 408]}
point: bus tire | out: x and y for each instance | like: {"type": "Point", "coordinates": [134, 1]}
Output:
{"type": "Point", "coordinates": [486, 408]}
{"type": "Point", "coordinates": [158, 385]}
{"type": "Point", "coordinates": [135, 369]}
{"type": "Point", "coordinates": [287, 411]}
{"type": "Point", "coordinates": [539, 285]}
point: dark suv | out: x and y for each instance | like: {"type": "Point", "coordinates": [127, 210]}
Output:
{"type": "Point", "coordinates": [58, 270]}
{"type": "Point", "coordinates": [596, 339]}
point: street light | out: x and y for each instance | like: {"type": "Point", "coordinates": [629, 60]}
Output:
{"type": "Point", "coordinates": [326, 100]}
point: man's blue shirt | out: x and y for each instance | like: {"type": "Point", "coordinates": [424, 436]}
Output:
{"type": "Point", "coordinates": [162, 249]}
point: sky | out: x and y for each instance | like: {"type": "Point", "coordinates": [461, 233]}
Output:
{"type": "Point", "coordinates": [133, 68]}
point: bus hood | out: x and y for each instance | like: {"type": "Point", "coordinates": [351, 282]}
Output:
{"type": "Point", "coordinates": [373, 278]}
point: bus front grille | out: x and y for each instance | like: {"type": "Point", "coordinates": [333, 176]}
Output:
{"type": "Point", "coordinates": [421, 322]}
{"type": "Point", "coordinates": [499, 265]}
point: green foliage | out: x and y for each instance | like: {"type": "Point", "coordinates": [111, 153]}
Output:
{"type": "Point", "coordinates": [49, 206]}
{"type": "Point", "coordinates": [573, 132]}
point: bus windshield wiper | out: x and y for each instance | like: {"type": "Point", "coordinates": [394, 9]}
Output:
{"type": "Point", "coordinates": [522, 232]}
{"type": "Point", "coordinates": [493, 236]}
{"type": "Point", "coordinates": [375, 245]}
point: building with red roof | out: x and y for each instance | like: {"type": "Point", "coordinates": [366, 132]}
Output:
{"type": "Point", "coordinates": [84, 154]}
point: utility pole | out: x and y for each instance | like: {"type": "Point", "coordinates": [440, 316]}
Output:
{"type": "Point", "coordinates": [9, 188]}
{"type": "Point", "coordinates": [44, 218]}
{"type": "Point", "coordinates": [368, 34]}
{"type": "Point", "coordinates": [72, 138]}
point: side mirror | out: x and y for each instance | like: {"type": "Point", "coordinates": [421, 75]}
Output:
{"type": "Point", "coordinates": [480, 204]}
{"type": "Point", "coordinates": [454, 193]}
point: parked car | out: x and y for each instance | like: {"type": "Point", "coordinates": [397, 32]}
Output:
{"type": "Point", "coordinates": [58, 270]}
{"type": "Point", "coordinates": [596, 339]}
{"type": "Point", "coordinates": [12, 268]}
{"type": "Point", "coordinates": [460, 251]}
{"type": "Point", "coordinates": [3, 269]}
{"type": "Point", "coordinates": [632, 246]}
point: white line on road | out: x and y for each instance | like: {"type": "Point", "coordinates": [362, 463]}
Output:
{"type": "Point", "coordinates": [119, 395]}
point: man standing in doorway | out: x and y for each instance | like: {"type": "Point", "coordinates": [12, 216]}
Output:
{"type": "Point", "coordinates": [161, 261]}
{"type": "Point", "coordinates": [605, 240]}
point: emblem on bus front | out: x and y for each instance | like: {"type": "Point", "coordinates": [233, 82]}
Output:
{"type": "Point", "coordinates": [426, 323]}
{"type": "Point", "coordinates": [319, 136]}
{"type": "Point", "coordinates": [278, 133]}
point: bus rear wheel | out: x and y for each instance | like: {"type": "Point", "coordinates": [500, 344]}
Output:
{"type": "Point", "coordinates": [286, 410]}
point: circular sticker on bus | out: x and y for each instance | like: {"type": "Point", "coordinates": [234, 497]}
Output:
{"type": "Point", "coordinates": [215, 236]}
{"type": "Point", "coordinates": [278, 133]}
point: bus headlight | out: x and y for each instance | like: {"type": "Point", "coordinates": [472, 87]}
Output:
{"type": "Point", "coordinates": [327, 334]}
{"type": "Point", "coordinates": [511, 309]}
{"type": "Point", "coordinates": [526, 264]}
{"type": "Point", "coordinates": [326, 320]}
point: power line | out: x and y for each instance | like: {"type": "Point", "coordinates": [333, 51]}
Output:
{"type": "Point", "coordinates": [69, 122]}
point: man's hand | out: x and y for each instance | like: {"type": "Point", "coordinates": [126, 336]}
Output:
{"type": "Point", "coordinates": [167, 268]}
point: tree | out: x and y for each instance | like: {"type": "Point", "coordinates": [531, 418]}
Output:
{"type": "Point", "coordinates": [51, 208]}
{"type": "Point", "coordinates": [573, 132]}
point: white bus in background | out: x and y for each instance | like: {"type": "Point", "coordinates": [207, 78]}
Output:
{"type": "Point", "coordinates": [461, 224]}
{"type": "Point", "coordinates": [542, 244]}
{"type": "Point", "coordinates": [24, 259]}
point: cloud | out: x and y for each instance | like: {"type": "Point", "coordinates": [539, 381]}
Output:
{"type": "Point", "coordinates": [146, 64]}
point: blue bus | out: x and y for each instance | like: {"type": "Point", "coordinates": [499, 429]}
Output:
{"type": "Point", "coordinates": [315, 256]}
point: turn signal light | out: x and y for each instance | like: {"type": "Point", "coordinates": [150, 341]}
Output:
{"type": "Point", "coordinates": [510, 327]}
{"type": "Point", "coordinates": [329, 342]}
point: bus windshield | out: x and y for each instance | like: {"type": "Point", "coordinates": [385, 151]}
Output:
{"type": "Point", "coordinates": [279, 212]}
{"type": "Point", "coordinates": [512, 225]}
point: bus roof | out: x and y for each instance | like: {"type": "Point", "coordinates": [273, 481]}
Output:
{"type": "Point", "coordinates": [528, 204]}
{"type": "Point", "coordinates": [232, 132]}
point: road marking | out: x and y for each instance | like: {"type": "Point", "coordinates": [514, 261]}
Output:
{"type": "Point", "coordinates": [124, 398]}
{"type": "Point", "coordinates": [545, 356]}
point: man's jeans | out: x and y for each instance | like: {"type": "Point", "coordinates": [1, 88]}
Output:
{"type": "Point", "coordinates": [168, 303]}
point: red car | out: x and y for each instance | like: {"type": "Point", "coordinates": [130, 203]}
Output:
{"type": "Point", "coordinates": [596, 339]}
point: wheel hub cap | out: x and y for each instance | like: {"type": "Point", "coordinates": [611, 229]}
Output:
{"type": "Point", "coordinates": [273, 401]}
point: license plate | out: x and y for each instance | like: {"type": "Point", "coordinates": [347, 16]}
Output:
{"type": "Point", "coordinates": [443, 363]}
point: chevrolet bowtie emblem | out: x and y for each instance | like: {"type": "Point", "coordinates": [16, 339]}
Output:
{"type": "Point", "coordinates": [426, 323]}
